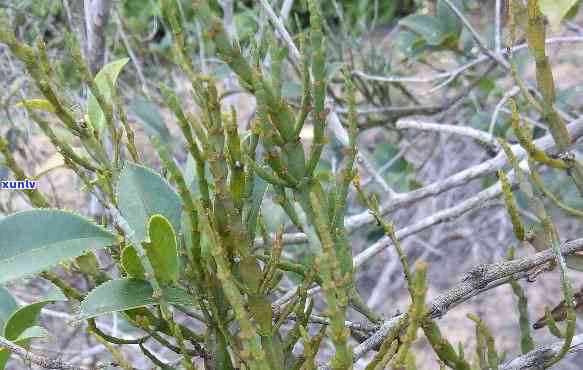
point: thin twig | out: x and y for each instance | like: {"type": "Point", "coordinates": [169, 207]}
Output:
{"type": "Point", "coordinates": [507, 95]}
{"type": "Point", "coordinates": [450, 129]}
{"type": "Point", "coordinates": [537, 357]}
{"type": "Point", "coordinates": [281, 30]}
{"type": "Point", "coordinates": [494, 56]}
{"type": "Point", "coordinates": [133, 57]}
{"type": "Point", "coordinates": [498, 27]}
{"type": "Point", "coordinates": [29, 357]}
{"type": "Point", "coordinates": [96, 18]}
{"type": "Point", "coordinates": [460, 69]}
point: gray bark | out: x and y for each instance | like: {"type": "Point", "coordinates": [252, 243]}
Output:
{"type": "Point", "coordinates": [96, 18]}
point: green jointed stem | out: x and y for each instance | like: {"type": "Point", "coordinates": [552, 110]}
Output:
{"type": "Point", "coordinates": [283, 200]}
{"type": "Point", "coordinates": [551, 230]}
{"type": "Point", "coordinates": [417, 312]}
{"type": "Point", "coordinates": [348, 173]}
{"type": "Point", "coordinates": [307, 88]}
{"type": "Point", "coordinates": [539, 183]}
{"type": "Point", "coordinates": [252, 349]}
{"type": "Point", "coordinates": [235, 159]}
{"type": "Point", "coordinates": [171, 100]}
{"type": "Point", "coordinates": [511, 206]}
{"type": "Point", "coordinates": [526, 341]}
{"type": "Point", "coordinates": [130, 137]}
{"type": "Point", "coordinates": [26, 55]}
{"type": "Point", "coordinates": [333, 284]}
{"type": "Point", "coordinates": [443, 349]}
{"type": "Point", "coordinates": [535, 35]}
{"type": "Point", "coordinates": [318, 86]}
{"type": "Point", "coordinates": [266, 174]}
{"type": "Point", "coordinates": [493, 360]}
{"type": "Point", "coordinates": [552, 324]}
{"type": "Point", "coordinates": [35, 197]}
{"type": "Point", "coordinates": [524, 136]}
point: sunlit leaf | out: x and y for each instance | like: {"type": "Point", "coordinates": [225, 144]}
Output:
{"type": "Point", "coordinates": [556, 10]}
{"type": "Point", "coordinates": [142, 193]}
{"type": "Point", "coordinates": [162, 249]}
{"type": "Point", "coordinates": [108, 75]}
{"type": "Point", "coordinates": [39, 104]}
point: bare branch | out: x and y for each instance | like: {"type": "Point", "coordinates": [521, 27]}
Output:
{"type": "Point", "coordinates": [423, 79]}
{"type": "Point", "coordinates": [280, 27]}
{"type": "Point", "coordinates": [445, 215]}
{"type": "Point", "coordinates": [394, 113]}
{"type": "Point", "coordinates": [479, 279]}
{"type": "Point", "coordinates": [135, 61]}
{"type": "Point", "coordinates": [537, 357]}
{"type": "Point", "coordinates": [498, 27]}
{"type": "Point", "coordinates": [507, 95]}
{"type": "Point", "coordinates": [29, 357]}
{"type": "Point", "coordinates": [479, 135]}
{"type": "Point", "coordinates": [96, 18]}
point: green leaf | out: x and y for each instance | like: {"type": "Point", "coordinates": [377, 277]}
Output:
{"type": "Point", "coordinates": [39, 104]}
{"type": "Point", "coordinates": [37, 240]}
{"type": "Point", "coordinates": [26, 316]}
{"type": "Point", "coordinates": [33, 332]}
{"type": "Point", "coordinates": [4, 356]}
{"type": "Point", "coordinates": [131, 263]}
{"type": "Point", "coordinates": [556, 10]}
{"type": "Point", "coordinates": [429, 28]}
{"type": "Point", "coordinates": [108, 75]}
{"type": "Point", "coordinates": [88, 264]}
{"type": "Point", "coordinates": [450, 22]}
{"type": "Point", "coordinates": [7, 306]}
{"type": "Point", "coordinates": [161, 250]}
{"type": "Point", "coordinates": [141, 193]}
{"type": "Point", "coordinates": [152, 119]}
{"type": "Point", "coordinates": [124, 294]}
